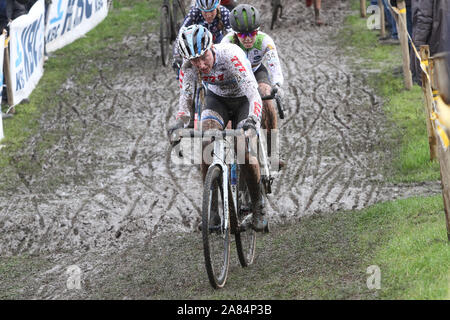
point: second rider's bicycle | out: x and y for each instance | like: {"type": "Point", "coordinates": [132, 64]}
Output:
{"type": "Point", "coordinates": [171, 19]}
{"type": "Point", "coordinates": [226, 207]}
{"type": "Point", "coordinates": [277, 11]}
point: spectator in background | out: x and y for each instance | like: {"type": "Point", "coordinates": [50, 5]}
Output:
{"type": "Point", "coordinates": [29, 3]}
{"type": "Point", "coordinates": [391, 25]}
{"type": "Point", "coordinates": [429, 27]}
{"type": "Point", "coordinates": [3, 17]}
{"type": "Point", "coordinates": [447, 94]}
{"type": "Point", "coordinates": [9, 10]}
{"type": "Point", "coordinates": [409, 16]}
{"type": "Point", "coordinates": [444, 77]}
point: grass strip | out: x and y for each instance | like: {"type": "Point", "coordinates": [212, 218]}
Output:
{"type": "Point", "coordinates": [404, 109]}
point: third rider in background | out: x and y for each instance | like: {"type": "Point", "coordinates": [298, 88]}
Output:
{"type": "Point", "coordinates": [317, 7]}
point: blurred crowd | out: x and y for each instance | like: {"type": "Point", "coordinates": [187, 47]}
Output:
{"type": "Point", "coordinates": [10, 10]}
{"type": "Point", "coordinates": [428, 23]}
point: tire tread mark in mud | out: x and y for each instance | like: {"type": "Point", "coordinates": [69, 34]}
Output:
{"type": "Point", "coordinates": [346, 185]}
{"type": "Point", "coordinates": [104, 81]}
{"type": "Point", "coordinates": [125, 219]}
{"type": "Point", "coordinates": [324, 177]}
{"type": "Point", "coordinates": [301, 170]}
{"type": "Point", "coordinates": [73, 219]}
{"type": "Point", "coordinates": [338, 119]}
{"type": "Point", "coordinates": [344, 142]}
{"type": "Point", "coordinates": [175, 182]}
{"type": "Point", "coordinates": [138, 140]}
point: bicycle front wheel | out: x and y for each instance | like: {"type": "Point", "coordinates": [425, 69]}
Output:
{"type": "Point", "coordinates": [164, 34]}
{"type": "Point", "coordinates": [216, 234]}
{"type": "Point", "coordinates": [245, 236]}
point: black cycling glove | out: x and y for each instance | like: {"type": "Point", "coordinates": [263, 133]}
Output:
{"type": "Point", "coordinates": [172, 133]}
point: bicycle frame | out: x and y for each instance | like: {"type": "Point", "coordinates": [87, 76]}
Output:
{"type": "Point", "coordinates": [198, 107]}
{"type": "Point", "coordinates": [220, 160]}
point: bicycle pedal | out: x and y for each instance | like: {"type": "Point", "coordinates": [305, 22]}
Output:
{"type": "Point", "coordinates": [266, 229]}
{"type": "Point", "coordinates": [245, 224]}
{"type": "Point", "coordinates": [215, 229]}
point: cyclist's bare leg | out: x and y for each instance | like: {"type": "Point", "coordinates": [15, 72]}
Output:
{"type": "Point", "coordinates": [317, 7]}
{"type": "Point", "coordinates": [250, 169]}
{"type": "Point", "coordinates": [269, 115]}
{"type": "Point", "coordinates": [208, 125]}
{"type": "Point", "coordinates": [251, 166]}
{"type": "Point", "coordinates": [252, 174]}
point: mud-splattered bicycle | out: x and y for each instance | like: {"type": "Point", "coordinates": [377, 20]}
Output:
{"type": "Point", "coordinates": [226, 207]}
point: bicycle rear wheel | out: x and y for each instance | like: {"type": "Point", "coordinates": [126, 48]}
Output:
{"type": "Point", "coordinates": [245, 238]}
{"type": "Point", "coordinates": [276, 5]}
{"type": "Point", "coordinates": [179, 12]}
{"type": "Point", "coordinates": [216, 235]}
{"type": "Point", "coordinates": [164, 34]}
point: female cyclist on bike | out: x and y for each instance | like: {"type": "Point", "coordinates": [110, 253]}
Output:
{"type": "Point", "coordinates": [232, 95]}
{"type": "Point", "coordinates": [245, 21]}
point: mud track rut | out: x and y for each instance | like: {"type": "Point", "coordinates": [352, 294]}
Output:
{"type": "Point", "coordinates": [108, 181]}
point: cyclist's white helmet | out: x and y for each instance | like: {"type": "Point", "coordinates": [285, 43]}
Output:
{"type": "Point", "coordinates": [194, 41]}
{"type": "Point", "coordinates": [207, 5]}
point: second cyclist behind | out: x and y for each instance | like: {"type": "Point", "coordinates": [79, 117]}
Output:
{"type": "Point", "coordinates": [245, 21]}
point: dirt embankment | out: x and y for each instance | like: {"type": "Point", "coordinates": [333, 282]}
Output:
{"type": "Point", "coordinates": [109, 183]}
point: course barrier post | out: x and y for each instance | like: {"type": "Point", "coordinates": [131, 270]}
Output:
{"type": "Point", "coordinates": [382, 19]}
{"type": "Point", "coordinates": [428, 94]}
{"type": "Point", "coordinates": [7, 72]}
{"type": "Point", "coordinates": [400, 19]}
{"type": "Point", "coordinates": [438, 73]}
{"type": "Point", "coordinates": [363, 8]}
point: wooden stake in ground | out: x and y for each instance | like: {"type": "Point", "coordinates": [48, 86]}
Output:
{"type": "Point", "coordinates": [438, 71]}
{"type": "Point", "coordinates": [428, 94]}
{"type": "Point", "coordinates": [7, 72]}
{"type": "Point", "coordinates": [382, 19]}
{"type": "Point", "coordinates": [403, 37]}
{"type": "Point", "coordinates": [444, 161]}
{"type": "Point", "coordinates": [363, 8]}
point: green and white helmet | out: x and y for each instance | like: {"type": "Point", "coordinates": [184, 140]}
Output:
{"type": "Point", "coordinates": [245, 18]}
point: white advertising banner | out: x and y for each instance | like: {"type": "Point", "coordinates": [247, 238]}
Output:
{"type": "Point", "coordinates": [26, 51]}
{"type": "Point", "coordinates": [2, 51]}
{"type": "Point", "coordinates": [69, 20]}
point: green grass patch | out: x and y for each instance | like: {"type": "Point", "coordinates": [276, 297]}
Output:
{"type": "Point", "coordinates": [126, 17]}
{"type": "Point", "coordinates": [404, 109]}
{"type": "Point", "coordinates": [409, 241]}
{"type": "Point", "coordinates": [407, 238]}
{"type": "Point", "coordinates": [17, 270]}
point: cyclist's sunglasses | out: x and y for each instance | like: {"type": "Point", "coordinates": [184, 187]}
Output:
{"type": "Point", "coordinates": [247, 34]}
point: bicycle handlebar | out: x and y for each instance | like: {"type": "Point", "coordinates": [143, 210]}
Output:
{"type": "Point", "coordinates": [273, 95]}
{"type": "Point", "coordinates": [211, 133]}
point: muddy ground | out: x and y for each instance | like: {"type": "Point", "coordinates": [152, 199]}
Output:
{"type": "Point", "coordinates": [108, 185]}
